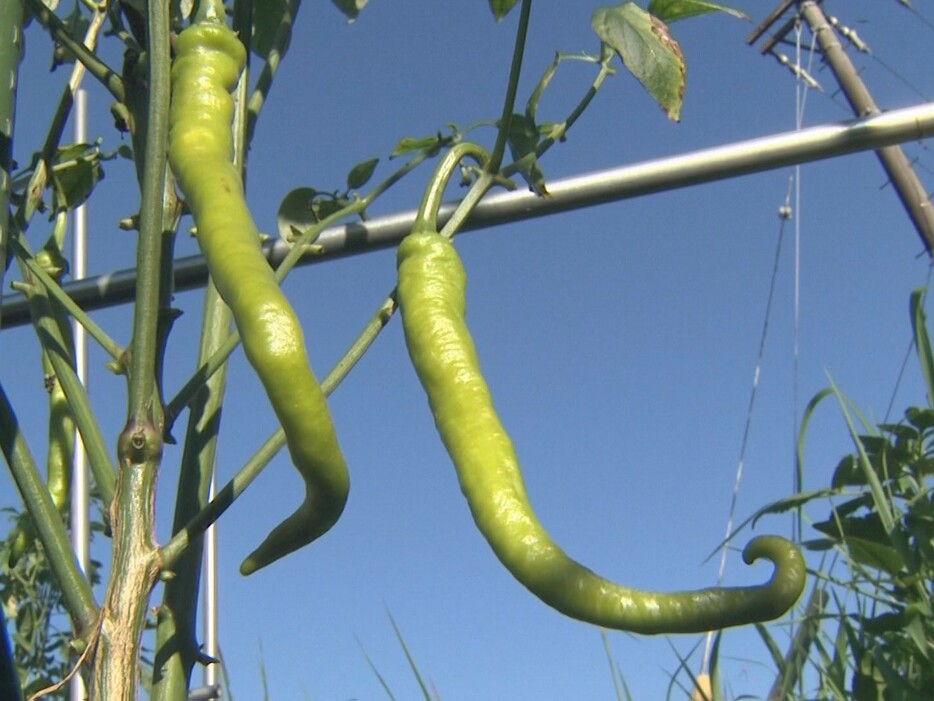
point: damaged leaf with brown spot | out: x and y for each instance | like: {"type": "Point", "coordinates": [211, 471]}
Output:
{"type": "Point", "coordinates": [648, 50]}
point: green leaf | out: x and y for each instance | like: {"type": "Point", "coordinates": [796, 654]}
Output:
{"type": "Point", "coordinates": [76, 170]}
{"type": "Point", "coordinates": [921, 418]}
{"type": "Point", "coordinates": [361, 173]}
{"type": "Point", "coordinates": [673, 10]}
{"type": "Point", "coordinates": [351, 8]}
{"type": "Point", "coordinates": [267, 16]}
{"type": "Point", "coordinates": [410, 144]}
{"type": "Point", "coordinates": [501, 8]}
{"type": "Point", "coordinates": [647, 49]}
{"type": "Point", "coordinates": [880, 557]}
{"type": "Point", "coordinates": [792, 502]}
{"type": "Point", "coordinates": [848, 473]}
{"type": "Point", "coordinates": [523, 138]}
{"type": "Point", "coordinates": [296, 212]}
{"type": "Point", "coordinates": [867, 528]}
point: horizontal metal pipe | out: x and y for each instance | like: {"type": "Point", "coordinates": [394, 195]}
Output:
{"type": "Point", "coordinates": [707, 165]}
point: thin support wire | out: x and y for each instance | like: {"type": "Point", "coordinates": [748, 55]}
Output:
{"type": "Point", "coordinates": [801, 94]}
{"type": "Point", "coordinates": [921, 18]}
{"type": "Point", "coordinates": [785, 213]}
{"type": "Point", "coordinates": [744, 443]}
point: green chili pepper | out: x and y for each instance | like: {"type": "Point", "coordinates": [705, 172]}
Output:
{"type": "Point", "coordinates": [431, 299]}
{"type": "Point", "coordinates": [61, 435]}
{"type": "Point", "coordinates": [61, 447]}
{"type": "Point", "coordinates": [60, 454]}
{"type": "Point", "coordinates": [208, 62]}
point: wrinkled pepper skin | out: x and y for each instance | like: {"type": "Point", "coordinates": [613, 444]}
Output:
{"type": "Point", "coordinates": [431, 283]}
{"type": "Point", "coordinates": [207, 65]}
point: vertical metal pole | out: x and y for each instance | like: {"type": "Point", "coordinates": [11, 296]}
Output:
{"type": "Point", "coordinates": [210, 597]}
{"type": "Point", "coordinates": [80, 531]}
{"type": "Point", "coordinates": [893, 159]}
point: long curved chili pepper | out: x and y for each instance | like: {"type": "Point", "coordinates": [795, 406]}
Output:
{"type": "Point", "coordinates": [208, 62]}
{"type": "Point", "coordinates": [431, 284]}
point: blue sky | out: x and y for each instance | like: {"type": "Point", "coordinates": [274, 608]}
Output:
{"type": "Point", "coordinates": [619, 343]}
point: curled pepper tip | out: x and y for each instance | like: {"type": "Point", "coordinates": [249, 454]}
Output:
{"type": "Point", "coordinates": [787, 582]}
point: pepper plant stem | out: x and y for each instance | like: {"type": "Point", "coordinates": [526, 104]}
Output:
{"type": "Point", "coordinates": [75, 588]}
{"type": "Point", "coordinates": [280, 46]}
{"type": "Point", "coordinates": [512, 86]}
{"type": "Point", "coordinates": [176, 649]}
{"type": "Point", "coordinates": [139, 448]}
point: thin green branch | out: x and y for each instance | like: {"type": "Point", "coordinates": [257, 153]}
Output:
{"type": "Point", "coordinates": [52, 342]}
{"type": "Point", "coordinates": [95, 66]}
{"type": "Point", "coordinates": [55, 291]}
{"type": "Point", "coordinates": [280, 46]}
{"type": "Point", "coordinates": [427, 217]}
{"type": "Point", "coordinates": [151, 218]}
{"type": "Point", "coordinates": [462, 212]}
{"type": "Point", "coordinates": [560, 130]}
{"type": "Point", "coordinates": [512, 86]}
{"type": "Point", "coordinates": [75, 588]}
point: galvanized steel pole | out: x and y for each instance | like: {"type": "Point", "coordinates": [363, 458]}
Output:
{"type": "Point", "coordinates": [707, 165]}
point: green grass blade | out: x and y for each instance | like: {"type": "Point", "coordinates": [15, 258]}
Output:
{"type": "Point", "coordinates": [799, 452]}
{"type": "Point", "coordinates": [264, 682]}
{"type": "Point", "coordinates": [379, 677]}
{"type": "Point", "coordinates": [408, 656]}
{"type": "Point", "coordinates": [619, 684]}
{"type": "Point", "coordinates": [675, 681]}
{"type": "Point", "coordinates": [872, 479]}
{"type": "Point", "coordinates": [923, 341]}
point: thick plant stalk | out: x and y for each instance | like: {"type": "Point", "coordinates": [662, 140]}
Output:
{"type": "Point", "coordinates": [176, 635]}
{"type": "Point", "coordinates": [135, 563]}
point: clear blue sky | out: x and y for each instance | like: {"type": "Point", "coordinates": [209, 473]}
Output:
{"type": "Point", "coordinates": [619, 343]}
